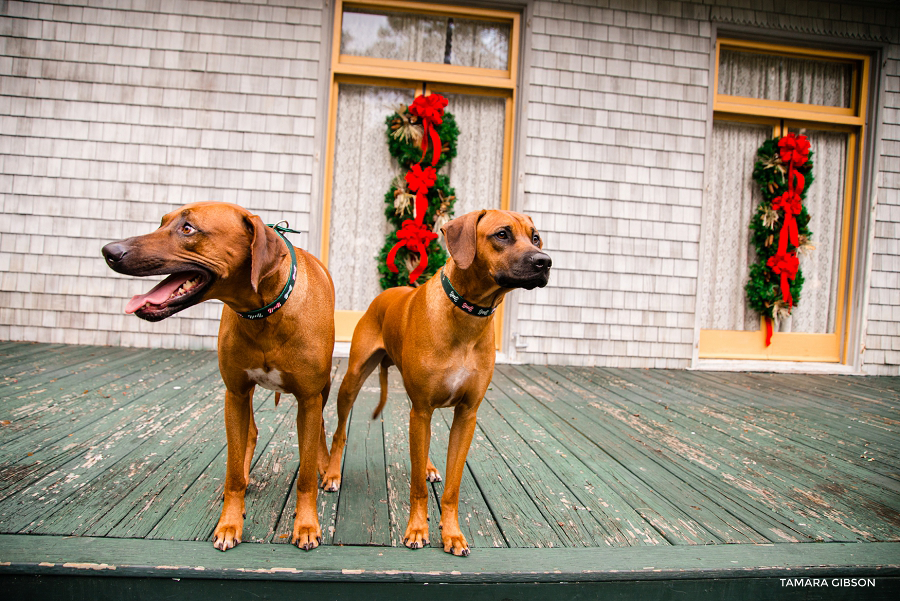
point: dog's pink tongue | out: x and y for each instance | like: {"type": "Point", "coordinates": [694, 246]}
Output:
{"type": "Point", "coordinates": [160, 292]}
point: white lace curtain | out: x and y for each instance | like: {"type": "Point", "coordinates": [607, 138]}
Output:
{"type": "Point", "coordinates": [731, 203]}
{"type": "Point", "coordinates": [364, 169]}
{"type": "Point", "coordinates": [772, 77]}
{"type": "Point", "coordinates": [477, 171]}
{"type": "Point", "coordinates": [825, 203]}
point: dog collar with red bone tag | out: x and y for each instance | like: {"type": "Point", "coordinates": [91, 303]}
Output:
{"type": "Point", "coordinates": [457, 299]}
{"type": "Point", "coordinates": [276, 304]}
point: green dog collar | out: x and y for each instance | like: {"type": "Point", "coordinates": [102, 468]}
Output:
{"type": "Point", "coordinates": [459, 301]}
{"type": "Point", "coordinates": [276, 304]}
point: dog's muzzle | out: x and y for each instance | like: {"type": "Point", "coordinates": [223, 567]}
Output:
{"type": "Point", "coordinates": [533, 271]}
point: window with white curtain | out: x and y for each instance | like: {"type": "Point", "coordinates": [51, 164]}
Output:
{"type": "Point", "coordinates": [764, 91]}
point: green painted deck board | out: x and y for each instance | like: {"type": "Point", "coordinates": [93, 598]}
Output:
{"type": "Point", "coordinates": [816, 431]}
{"type": "Point", "coordinates": [665, 469]}
{"type": "Point", "coordinates": [363, 517]}
{"type": "Point", "coordinates": [46, 444]}
{"type": "Point", "coordinates": [731, 461]}
{"type": "Point", "coordinates": [124, 446]}
{"type": "Point", "coordinates": [797, 466]}
{"type": "Point", "coordinates": [823, 407]}
{"type": "Point", "coordinates": [646, 518]}
{"type": "Point", "coordinates": [814, 439]}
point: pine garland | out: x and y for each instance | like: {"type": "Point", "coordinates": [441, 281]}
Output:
{"type": "Point", "coordinates": [404, 138]}
{"type": "Point", "coordinates": [770, 172]}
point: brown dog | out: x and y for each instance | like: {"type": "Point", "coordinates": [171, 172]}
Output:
{"type": "Point", "coordinates": [219, 250]}
{"type": "Point", "coordinates": [444, 351]}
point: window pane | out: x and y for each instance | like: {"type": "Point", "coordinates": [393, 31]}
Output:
{"type": "Point", "coordinates": [788, 79]}
{"type": "Point", "coordinates": [425, 38]}
{"type": "Point", "coordinates": [825, 202]}
{"type": "Point", "coordinates": [363, 170]}
{"type": "Point", "coordinates": [477, 171]}
{"type": "Point", "coordinates": [731, 203]}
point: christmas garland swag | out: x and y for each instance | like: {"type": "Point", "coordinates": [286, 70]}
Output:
{"type": "Point", "coordinates": [779, 230]}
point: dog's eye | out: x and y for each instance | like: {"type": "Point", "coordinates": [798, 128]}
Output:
{"type": "Point", "coordinates": [501, 235]}
{"type": "Point", "coordinates": [187, 229]}
{"type": "Point", "coordinates": [536, 240]}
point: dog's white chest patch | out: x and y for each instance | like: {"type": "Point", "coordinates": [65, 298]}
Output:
{"type": "Point", "coordinates": [455, 380]}
{"type": "Point", "coordinates": [270, 380]}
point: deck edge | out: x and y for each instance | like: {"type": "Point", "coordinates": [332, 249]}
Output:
{"type": "Point", "coordinates": [57, 555]}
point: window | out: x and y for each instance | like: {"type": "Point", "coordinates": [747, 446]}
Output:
{"type": "Point", "coordinates": [764, 91]}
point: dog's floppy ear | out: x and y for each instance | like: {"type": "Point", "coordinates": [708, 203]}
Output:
{"type": "Point", "coordinates": [264, 250]}
{"type": "Point", "coordinates": [460, 236]}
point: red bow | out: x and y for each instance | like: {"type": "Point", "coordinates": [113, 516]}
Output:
{"type": "Point", "coordinates": [431, 110]}
{"type": "Point", "coordinates": [794, 149]}
{"type": "Point", "coordinates": [418, 181]}
{"type": "Point", "coordinates": [786, 265]}
{"type": "Point", "coordinates": [414, 236]}
{"type": "Point", "coordinates": [790, 203]}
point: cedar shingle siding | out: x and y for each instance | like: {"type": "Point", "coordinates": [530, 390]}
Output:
{"type": "Point", "coordinates": [111, 115]}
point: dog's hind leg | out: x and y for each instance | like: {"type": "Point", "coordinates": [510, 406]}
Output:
{"type": "Point", "coordinates": [362, 362]}
{"type": "Point", "coordinates": [322, 463]}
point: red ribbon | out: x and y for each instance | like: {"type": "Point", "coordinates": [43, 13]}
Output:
{"type": "Point", "coordinates": [418, 181]}
{"type": "Point", "coordinates": [430, 109]}
{"type": "Point", "coordinates": [415, 236]}
{"type": "Point", "coordinates": [785, 265]}
{"type": "Point", "coordinates": [791, 203]}
{"type": "Point", "coordinates": [793, 150]}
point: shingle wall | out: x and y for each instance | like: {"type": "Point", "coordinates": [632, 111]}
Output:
{"type": "Point", "coordinates": [882, 343]}
{"type": "Point", "coordinates": [615, 147]}
{"type": "Point", "coordinates": [113, 114]}
{"type": "Point", "coordinates": [618, 106]}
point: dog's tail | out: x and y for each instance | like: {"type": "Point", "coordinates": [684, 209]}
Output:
{"type": "Point", "coordinates": [382, 378]}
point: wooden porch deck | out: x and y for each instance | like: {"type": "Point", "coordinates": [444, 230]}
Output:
{"type": "Point", "coordinates": [112, 464]}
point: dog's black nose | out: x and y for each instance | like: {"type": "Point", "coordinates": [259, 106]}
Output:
{"type": "Point", "coordinates": [114, 252]}
{"type": "Point", "coordinates": [541, 262]}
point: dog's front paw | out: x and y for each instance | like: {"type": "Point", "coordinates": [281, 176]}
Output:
{"type": "Point", "coordinates": [227, 534]}
{"type": "Point", "coordinates": [416, 537]}
{"type": "Point", "coordinates": [306, 537]}
{"type": "Point", "coordinates": [455, 544]}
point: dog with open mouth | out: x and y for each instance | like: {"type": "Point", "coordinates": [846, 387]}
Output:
{"type": "Point", "coordinates": [276, 331]}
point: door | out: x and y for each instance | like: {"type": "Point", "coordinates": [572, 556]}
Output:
{"type": "Point", "coordinates": [765, 91]}
{"type": "Point", "coordinates": [385, 53]}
